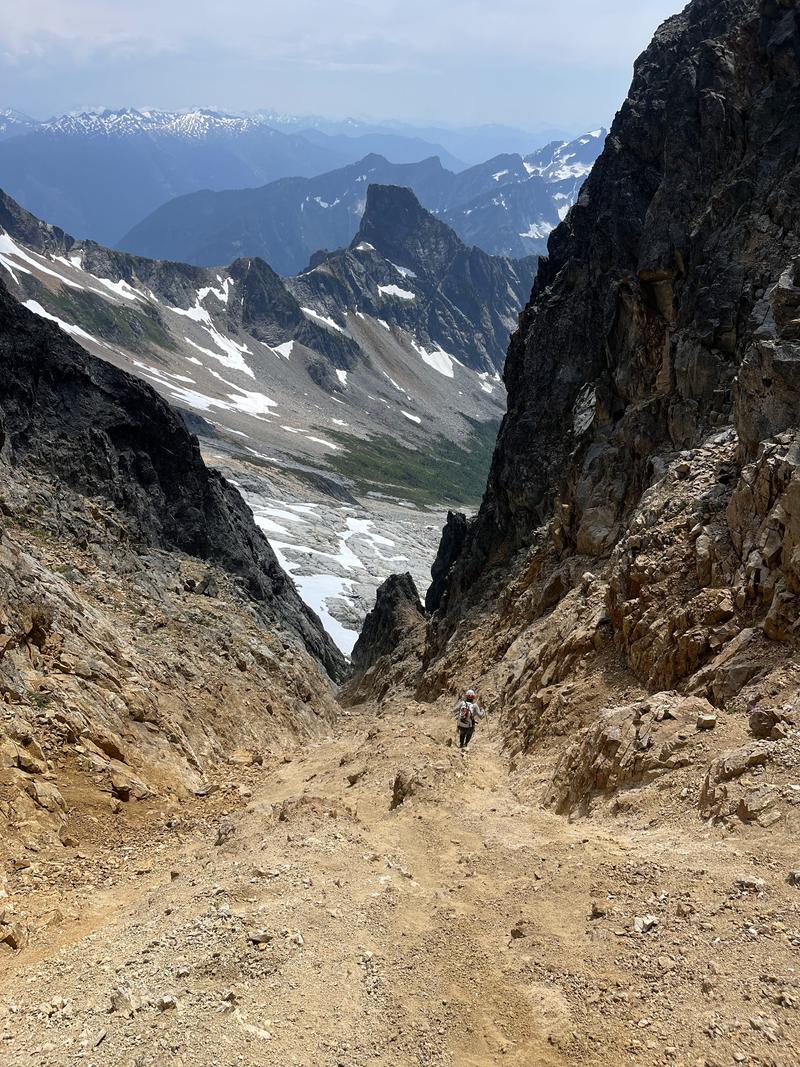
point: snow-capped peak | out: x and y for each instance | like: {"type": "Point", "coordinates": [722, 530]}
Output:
{"type": "Point", "coordinates": [125, 122]}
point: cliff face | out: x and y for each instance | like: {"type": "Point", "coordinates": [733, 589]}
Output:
{"type": "Point", "coordinates": [639, 541]}
{"type": "Point", "coordinates": [147, 632]}
{"type": "Point", "coordinates": [654, 318]}
{"type": "Point", "coordinates": [106, 434]}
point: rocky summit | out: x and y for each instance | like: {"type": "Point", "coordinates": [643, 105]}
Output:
{"type": "Point", "coordinates": [210, 856]}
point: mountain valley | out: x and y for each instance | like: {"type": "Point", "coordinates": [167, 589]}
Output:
{"type": "Point", "coordinates": [240, 825]}
{"type": "Point", "coordinates": [365, 391]}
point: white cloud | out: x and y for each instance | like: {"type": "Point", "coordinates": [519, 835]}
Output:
{"type": "Point", "coordinates": [578, 30]}
{"type": "Point", "coordinates": [464, 53]}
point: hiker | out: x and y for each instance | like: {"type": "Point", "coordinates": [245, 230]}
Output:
{"type": "Point", "coordinates": [467, 713]}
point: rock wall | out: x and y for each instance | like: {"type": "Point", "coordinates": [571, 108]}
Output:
{"type": "Point", "coordinates": [388, 652]}
{"type": "Point", "coordinates": [147, 632]}
{"type": "Point", "coordinates": [639, 532]}
{"type": "Point", "coordinates": [660, 288]}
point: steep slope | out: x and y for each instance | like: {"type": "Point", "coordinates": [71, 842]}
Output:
{"type": "Point", "coordinates": [630, 581]}
{"type": "Point", "coordinates": [147, 632]}
{"type": "Point", "coordinates": [506, 205]}
{"type": "Point", "coordinates": [109, 435]}
{"type": "Point", "coordinates": [636, 328]}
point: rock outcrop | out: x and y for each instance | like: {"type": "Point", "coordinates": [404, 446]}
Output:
{"type": "Point", "coordinates": [147, 631]}
{"type": "Point", "coordinates": [454, 533]}
{"type": "Point", "coordinates": [627, 746]}
{"type": "Point", "coordinates": [408, 267]}
{"type": "Point", "coordinates": [388, 652]}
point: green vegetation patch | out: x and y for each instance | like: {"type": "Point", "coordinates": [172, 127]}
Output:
{"type": "Point", "coordinates": [440, 473]}
{"type": "Point", "coordinates": [138, 329]}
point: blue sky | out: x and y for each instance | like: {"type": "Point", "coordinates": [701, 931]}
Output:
{"type": "Point", "coordinates": [523, 62]}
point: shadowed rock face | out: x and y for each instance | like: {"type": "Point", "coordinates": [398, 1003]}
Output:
{"type": "Point", "coordinates": [388, 654]}
{"type": "Point", "coordinates": [453, 536]}
{"type": "Point", "coordinates": [397, 606]}
{"type": "Point", "coordinates": [445, 295]}
{"type": "Point", "coordinates": [109, 435]}
{"type": "Point", "coordinates": [671, 276]}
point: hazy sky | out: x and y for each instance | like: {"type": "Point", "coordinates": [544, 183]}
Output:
{"type": "Point", "coordinates": [524, 62]}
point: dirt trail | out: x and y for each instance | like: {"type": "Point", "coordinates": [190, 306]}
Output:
{"type": "Point", "coordinates": [308, 924]}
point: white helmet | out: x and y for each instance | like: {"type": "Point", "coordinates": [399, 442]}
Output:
{"type": "Point", "coordinates": [470, 695]}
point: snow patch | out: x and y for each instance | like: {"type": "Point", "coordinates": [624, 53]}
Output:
{"type": "Point", "coordinates": [414, 418]}
{"type": "Point", "coordinates": [538, 229]}
{"type": "Point", "coordinates": [10, 248]}
{"type": "Point", "coordinates": [437, 358]}
{"type": "Point", "coordinates": [284, 349]}
{"type": "Point", "coordinates": [231, 355]}
{"type": "Point", "coordinates": [322, 441]}
{"type": "Point", "coordinates": [120, 288]}
{"type": "Point", "coordinates": [250, 403]}
{"type": "Point", "coordinates": [484, 383]}
{"type": "Point", "coordinates": [572, 170]}
{"type": "Point", "coordinates": [404, 272]}
{"type": "Point", "coordinates": [221, 294]}
{"type": "Point", "coordinates": [342, 376]}
{"type": "Point", "coordinates": [395, 290]}
{"type": "Point", "coordinates": [324, 319]}
{"type": "Point", "coordinates": [196, 313]}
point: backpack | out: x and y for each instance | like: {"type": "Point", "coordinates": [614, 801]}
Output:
{"type": "Point", "coordinates": [465, 715]}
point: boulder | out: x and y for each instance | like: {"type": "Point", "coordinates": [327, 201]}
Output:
{"type": "Point", "coordinates": [626, 746]}
{"type": "Point", "coordinates": [405, 784]}
{"type": "Point", "coordinates": [757, 802]}
{"type": "Point", "coordinates": [125, 785]}
{"type": "Point", "coordinates": [716, 798]}
{"type": "Point", "coordinates": [45, 795]}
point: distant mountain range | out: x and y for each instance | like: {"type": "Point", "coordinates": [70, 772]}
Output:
{"type": "Point", "coordinates": [380, 365]}
{"type": "Point", "coordinates": [472, 144]}
{"type": "Point", "coordinates": [97, 174]}
{"type": "Point", "coordinates": [507, 206]}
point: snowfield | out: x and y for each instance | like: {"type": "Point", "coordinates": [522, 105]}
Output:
{"type": "Point", "coordinates": [337, 557]}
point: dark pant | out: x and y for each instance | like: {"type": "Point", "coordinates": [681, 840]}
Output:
{"type": "Point", "coordinates": [465, 735]}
